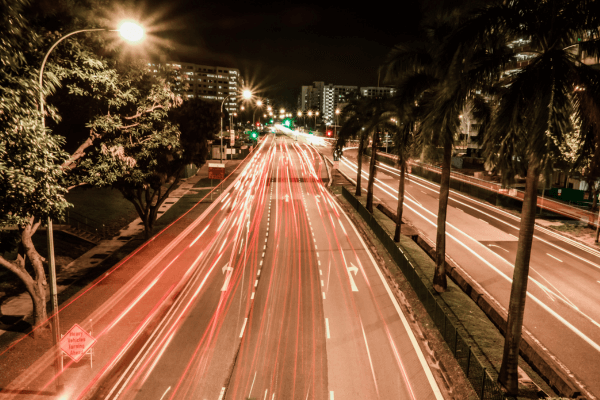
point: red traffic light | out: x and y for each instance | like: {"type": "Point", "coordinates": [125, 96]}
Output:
{"type": "Point", "coordinates": [258, 124]}
{"type": "Point", "coordinates": [328, 133]}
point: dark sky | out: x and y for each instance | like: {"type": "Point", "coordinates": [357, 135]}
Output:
{"type": "Point", "coordinates": [280, 46]}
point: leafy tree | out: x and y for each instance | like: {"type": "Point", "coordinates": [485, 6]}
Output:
{"type": "Point", "coordinates": [30, 158]}
{"type": "Point", "coordinates": [541, 108]}
{"type": "Point", "coordinates": [140, 153]}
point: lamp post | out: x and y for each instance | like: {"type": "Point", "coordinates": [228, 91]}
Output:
{"type": "Point", "coordinates": [246, 94]}
{"type": "Point", "coordinates": [258, 104]}
{"type": "Point", "coordinates": [133, 33]}
{"type": "Point", "coordinates": [337, 112]}
{"type": "Point", "coordinates": [316, 115]}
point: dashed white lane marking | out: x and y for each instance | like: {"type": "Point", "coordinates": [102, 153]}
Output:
{"type": "Point", "coordinates": [264, 248]}
{"type": "Point", "coordinates": [243, 327]}
{"type": "Point", "coordinates": [319, 261]}
{"type": "Point", "coordinates": [258, 273]}
{"type": "Point", "coordinates": [256, 283]}
{"type": "Point", "coordinates": [557, 259]}
{"type": "Point", "coordinates": [252, 297]}
{"type": "Point", "coordinates": [265, 240]}
{"type": "Point", "coordinates": [323, 295]}
{"type": "Point", "coordinates": [317, 254]}
{"type": "Point", "coordinates": [320, 272]}
{"type": "Point", "coordinates": [331, 395]}
{"type": "Point", "coordinates": [263, 254]}
{"type": "Point", "coordinates": [326, 327]}
{"type": "Point", "coordinates": [261, 262]}
{"type": "Point", "coordinates": [322, 283]}
{"type": "Point", "coordinates": [222, 393]}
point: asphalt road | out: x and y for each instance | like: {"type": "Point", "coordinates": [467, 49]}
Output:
{"type": "Point", "coordinates": [270, 293]}
{"type": "Point", "coordinates": [563, 305]}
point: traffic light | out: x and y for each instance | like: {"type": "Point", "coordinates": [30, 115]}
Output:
{"type": "Point", "coordinates": [329, 133]}
{"type": "Point", "coordinates": [287, 123]}
{"type": "Point", "coordinates": [254, 135]}
{"type": "Point", "coordinates": [271, 121]}
{"type": "Point", "coordinates": [258, 124]}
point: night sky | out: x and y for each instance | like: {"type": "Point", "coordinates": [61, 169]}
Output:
{"type": "Point", "coordinates": [280, 46]}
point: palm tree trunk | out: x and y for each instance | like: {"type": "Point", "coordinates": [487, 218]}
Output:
{"type": "Point", "coordinates": [510, 360]}
{"type": "Point", "coordinates": [372, 173]}
{"type": "Point", "coordinates": [361, 140]}
{"type": "Point", "coordinates": [400, 202]}
{"type": "Point", "coordinates": [439, 277]}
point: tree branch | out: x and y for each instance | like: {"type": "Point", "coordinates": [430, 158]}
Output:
{"type": "Point", "coordinates": [149, 110]}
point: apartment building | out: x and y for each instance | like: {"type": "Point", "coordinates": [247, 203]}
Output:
{"type": "Point", "coordinates": [204, 81]}
{"type": "Point", "coordinates": [325, 98]}
{"type": "Point", "coordinates": [376, 92]}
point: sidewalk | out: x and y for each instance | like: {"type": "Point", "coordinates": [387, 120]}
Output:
{"type": "Point", "coordinates": [108, 253]}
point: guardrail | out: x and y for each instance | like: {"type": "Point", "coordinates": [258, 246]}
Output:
{"type": "Point", "coordinates": [545, 203]}
{"type": "Point", "coordinates": [485, 387]}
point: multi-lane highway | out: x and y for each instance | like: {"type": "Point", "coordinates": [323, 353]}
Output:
{"type": "Point", "coordinates": [563, 305]}
{"type": "Point", "coordinates": [269, 294]}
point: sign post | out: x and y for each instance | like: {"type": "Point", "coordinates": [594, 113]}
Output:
{"type": "Point", "coordinates": [216, 171]}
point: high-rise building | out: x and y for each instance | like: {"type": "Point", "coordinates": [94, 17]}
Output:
{"type": "Point", "coordinates": [325, 98]}
{"type": "Point", "coordinates": [204, 81]}
{"type": "Point", "coordinates": [376, 92]}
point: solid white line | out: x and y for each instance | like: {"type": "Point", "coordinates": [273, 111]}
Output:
{"type": "Point", "coordinates": [327, 327]}
{"type": "Point", "coordinates": [557, 259]}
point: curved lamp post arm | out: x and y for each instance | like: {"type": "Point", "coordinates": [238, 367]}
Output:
{"type": "Point", "coordinates": [41, 78]}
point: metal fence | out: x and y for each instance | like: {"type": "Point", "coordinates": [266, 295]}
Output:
{"type": "Point", "coordinates": [485, 387]}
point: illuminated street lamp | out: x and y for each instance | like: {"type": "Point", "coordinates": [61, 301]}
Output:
{"type": "Point", "coordinates": [131, 32]}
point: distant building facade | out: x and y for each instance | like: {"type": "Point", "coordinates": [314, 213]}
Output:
{"type": "Point", "coordinates": [376, 92]}
{"type": "Point", "coordinates": [207, 82]}
{"type": "Point", "coordinates": [325, 98]}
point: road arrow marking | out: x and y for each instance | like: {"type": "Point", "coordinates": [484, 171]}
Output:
{"type": "Point", "coordinates": [229, 270]}
{"type": "Point", "coordinates": [494, 245]}
{"type": "Point", "coordinates": [354, 269]}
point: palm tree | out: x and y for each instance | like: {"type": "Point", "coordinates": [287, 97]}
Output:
{"type": "Point", "coordinates": [544, 110]}
{"type": "Point", "coordinates": [441, 77]}
{"type": "Point", "coordinates": [358, 123]}
{"type": "Point", "coordinates": [404, 139]}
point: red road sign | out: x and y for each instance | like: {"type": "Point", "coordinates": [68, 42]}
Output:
{"type": "Point", "coordinates": [76, 342]}
{"type": "Point", "coordinates": [216, 171]}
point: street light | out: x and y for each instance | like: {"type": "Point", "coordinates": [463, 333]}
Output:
{"type": "Point", "coordinates": [246, 94]}
{"type": "Point", "coordinates": [132, 33]}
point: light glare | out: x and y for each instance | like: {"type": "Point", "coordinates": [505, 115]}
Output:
{"type": "Point", "coordinates": [131, 31]}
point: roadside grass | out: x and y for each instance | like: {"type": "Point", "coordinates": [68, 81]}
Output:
{"type": "Point", "coordinates": [101, 206]}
